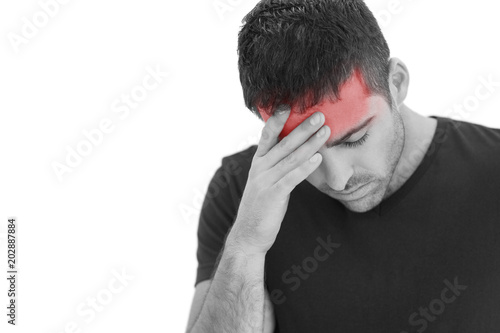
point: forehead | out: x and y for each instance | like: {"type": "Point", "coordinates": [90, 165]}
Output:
{"type": "Point", "coordinates": [347, 112]}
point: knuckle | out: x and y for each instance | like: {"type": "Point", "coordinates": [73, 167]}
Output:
{"type": "Point", "coordinates": [265, 134]}
{"type": "Point", "coordinates": [290, 159]}
{"type": "Point", "coordinates": [277, 125]}
{"type": "Point", "coordinates": [255, 170]}
{"type": "Point", "coordinates": [271, 125]}
{"type": "Point", "coordinates": [284, 144]}
{"type": "Point", "coordinates": [279, 187]}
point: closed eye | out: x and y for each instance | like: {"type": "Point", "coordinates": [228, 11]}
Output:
{"type": "Point", "coordinates": [357, 129]}
{"type": "Point", "coordinates": [356, 143]}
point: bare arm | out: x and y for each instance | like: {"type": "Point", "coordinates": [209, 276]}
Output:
{"type": "Point", "coordinates": [236, 299]}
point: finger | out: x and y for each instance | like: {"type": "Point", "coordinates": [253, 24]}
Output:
{"type": "Point", "coordinates": [286, 184]}
{"type": "Point", "coordinates": [294, 140]}
{"type": "Point", "coordinates": [270, 133]}
{"type": "Point", "coordinates": [300, 155]}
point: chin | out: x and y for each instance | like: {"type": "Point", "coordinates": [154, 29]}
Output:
{"type": "Point", "coordinates": [364, 204]}
{"type": "Point", "coordinates": [356, 207]}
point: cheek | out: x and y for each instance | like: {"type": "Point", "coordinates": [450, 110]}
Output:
{"type": "Point", "coordinates": [372, 156]}
{"type": "Point", "coordinates": [376, 154]}
{"type": "Point", "coordinates": [369, 161]}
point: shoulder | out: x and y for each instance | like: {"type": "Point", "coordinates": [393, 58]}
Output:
{"type": "Point", "coordinates": [474, 147]}
{"type": "Point", "coordinates": [467, 140]}
{"type": "Point", "coordinates": [231, 176]}
{"type": "Point", "coordinates": [238, 165]}
{"type": "Point", "coordinates": [475, 134]}
{"type": "Point", "coordinates": [243, 157]}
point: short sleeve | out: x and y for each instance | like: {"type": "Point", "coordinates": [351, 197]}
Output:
{"type": "Point", "coordinates": [218, 212]}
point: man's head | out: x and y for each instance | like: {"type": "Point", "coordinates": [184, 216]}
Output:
{"type": "Point", "coordinates": [329, 56]}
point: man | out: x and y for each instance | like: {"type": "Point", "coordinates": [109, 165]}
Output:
{"type": "Point", "coordinates": [353, 213]}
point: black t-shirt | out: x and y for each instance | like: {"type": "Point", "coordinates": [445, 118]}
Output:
{"type": "Point", "coordinates": [427, 258]}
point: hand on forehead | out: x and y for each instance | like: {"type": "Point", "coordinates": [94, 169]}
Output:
{"type": "Point", "coordinates": [341, 116]}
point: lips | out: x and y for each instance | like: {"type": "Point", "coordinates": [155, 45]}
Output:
{"type": "Point", "coordinates": [358, 188]}
{"type": "Point", "coordinates": [346, 193]}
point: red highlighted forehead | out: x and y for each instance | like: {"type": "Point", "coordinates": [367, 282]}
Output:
{"type": "Point", "coordinates": [341, 116]}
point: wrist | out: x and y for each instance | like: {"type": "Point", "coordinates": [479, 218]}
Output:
{"type": "Point", "coordinates": [239, 242]}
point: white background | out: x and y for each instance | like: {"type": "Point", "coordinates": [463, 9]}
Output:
{"type": "Point", "coordinates": [120, 208]}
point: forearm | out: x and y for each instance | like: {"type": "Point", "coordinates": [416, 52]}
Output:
{"type": "Point", "coordinates": [235, 299]}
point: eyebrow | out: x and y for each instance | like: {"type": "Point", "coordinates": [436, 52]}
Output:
{"type": "Point", "coordinates": [351, 132]}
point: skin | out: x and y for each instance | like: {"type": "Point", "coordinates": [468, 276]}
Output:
{"type": "Point", "coordinates": [340, 116]}
{"type": "Point", "coordinates": [236, 299]}
{"type": "Point", "coordinates": [396, 144]}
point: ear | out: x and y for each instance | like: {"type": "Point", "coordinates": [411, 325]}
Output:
{"type": "Point", "coordinates": [399, 80]}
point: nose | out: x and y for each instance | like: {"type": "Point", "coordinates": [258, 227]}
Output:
{"type": "Point", "coordinates": [338, 170]}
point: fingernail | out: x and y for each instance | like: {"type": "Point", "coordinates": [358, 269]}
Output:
{"type": "Point", "coordinates": [322, 131]}
{"type": "Point", "coordinates": [315, 158]}
{"type": "Point", "coordinates": [315, 119]}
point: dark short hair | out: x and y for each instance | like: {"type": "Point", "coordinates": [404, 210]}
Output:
{"type": "Point", "coordinates": [302, 51]}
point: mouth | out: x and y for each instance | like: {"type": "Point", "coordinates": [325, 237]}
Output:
{"type": "Point", "coordinates": [360, 192]}
{"type": "Point", "coordinates": [346, 193]}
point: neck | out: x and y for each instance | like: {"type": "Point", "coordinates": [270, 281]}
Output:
{"type": "Point", "coordinates": [419, 131]}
